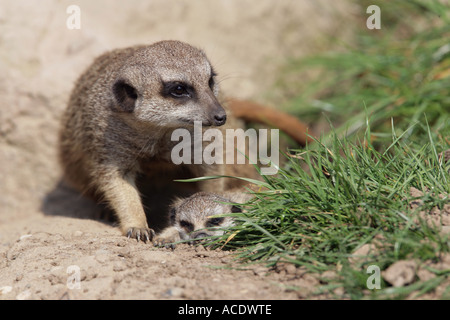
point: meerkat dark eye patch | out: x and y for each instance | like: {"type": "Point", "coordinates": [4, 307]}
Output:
{"type": "Point", "coordinates": [177, 89]}
{"type": "Point", "coordinates": [235, 209]}
{"type": "Point", "coordinates": [172, 215]}
{"type": "Point", "coordinates": [211, 81]}
{"type": "Point", "coordinates": [214, 222]}
{"type": "Point", "coordinates": [189, 227]}
{"type": "Point", "coordinates": [126, 95]}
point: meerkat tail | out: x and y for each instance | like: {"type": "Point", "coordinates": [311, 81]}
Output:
{"type": "Point", "coordinates": [254, 112]}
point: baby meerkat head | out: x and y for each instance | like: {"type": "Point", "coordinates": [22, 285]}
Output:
{"type": "Point", "coordinates": [168, 84]}
{"type": "Point", "coordinates": [194, 217]}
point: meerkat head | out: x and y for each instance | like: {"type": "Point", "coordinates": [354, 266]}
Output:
{"type": "Point", "coordinates": [168, 84]}
{"type": "Point", "coordinates": [194, 217]}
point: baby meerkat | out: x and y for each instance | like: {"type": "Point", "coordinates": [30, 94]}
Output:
{"type": "Point", "coordinates": [198, 217]}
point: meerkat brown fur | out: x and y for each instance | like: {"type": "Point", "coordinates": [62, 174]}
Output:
{"type": "Point", "coordinates": [115, 138]}
{"type": "Point", "coordinates": [120, 118]}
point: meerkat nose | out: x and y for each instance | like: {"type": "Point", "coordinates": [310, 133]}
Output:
{"type": "Point", "coordinates": [220, 119]}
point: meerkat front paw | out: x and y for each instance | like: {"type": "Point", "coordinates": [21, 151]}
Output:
{"type": "Point", "coordinates": [167, 238]}
{"type": "Point", "coordinates": [144, 234]}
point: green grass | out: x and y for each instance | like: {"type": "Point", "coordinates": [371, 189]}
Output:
{"type": "Point", "coordinates": [348, 195]}
{"type": "Point", "coordinates": [387, 96]}
{"type": "Point", "coordinates": [380, 74]}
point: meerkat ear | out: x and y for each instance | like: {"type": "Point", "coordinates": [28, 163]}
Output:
{"type": "Point", "coordinates": [125, 96]}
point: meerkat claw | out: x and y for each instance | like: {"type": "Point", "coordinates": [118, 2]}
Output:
{"type": "Point", "coordinates": [144, 234]}
{"type": "Point", "coordinates": [166, 245]}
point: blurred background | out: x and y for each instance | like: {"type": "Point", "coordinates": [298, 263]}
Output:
{"type": "Point", "coordinates": [313, 58]}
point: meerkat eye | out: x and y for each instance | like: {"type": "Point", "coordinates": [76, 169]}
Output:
{"type": "Point", "coordinates": [177, 89]}
{"type": "Point", "coordinates": [213, 222]}
{"type": "Point", "coordinates": [180, 91]}
{"type": "Point", "coordinates": [211, 83]}
{"type": "Point", "coordinates": [189, 227]}
{"type": "Point", "coordinates": [235, 209]}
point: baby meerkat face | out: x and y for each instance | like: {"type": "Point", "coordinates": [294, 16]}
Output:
{"type": "Point", "coordinates": [169, 84]}
{"type": "Point", "coordinates": [194, 217]}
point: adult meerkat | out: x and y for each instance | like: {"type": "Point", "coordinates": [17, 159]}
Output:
{"type": "Point", "coordinates": [115, 139]}
{"type": "Point", "coordinates": [196, 217]}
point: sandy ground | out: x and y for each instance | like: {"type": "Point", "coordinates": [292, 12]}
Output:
{"type": "Point", "coordinates": [51, 245]}
{"type": "Point", "coordinates": [52, 258]}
